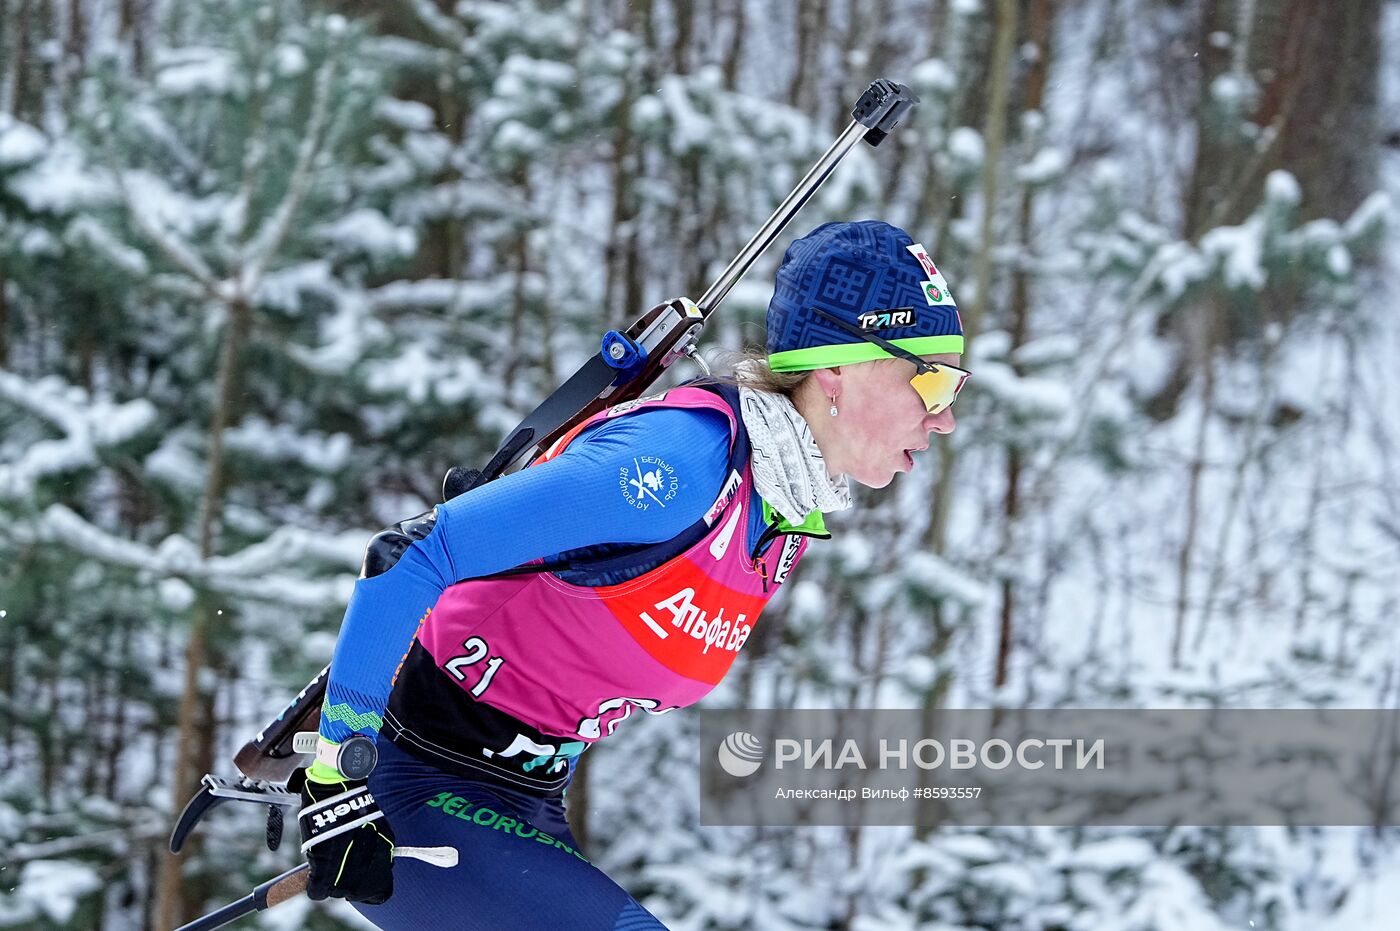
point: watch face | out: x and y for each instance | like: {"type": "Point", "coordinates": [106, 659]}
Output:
{"type": "Point", "coordinates": [357, 757]}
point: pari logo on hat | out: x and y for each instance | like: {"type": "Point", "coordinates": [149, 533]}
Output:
{"type": "Point", "coordinates": [886, 319]}
{"type": "Point", "coordinates": [868, 273]}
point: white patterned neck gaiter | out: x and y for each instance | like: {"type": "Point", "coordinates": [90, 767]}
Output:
{"type": "Point", "coordinates": [788, 469]}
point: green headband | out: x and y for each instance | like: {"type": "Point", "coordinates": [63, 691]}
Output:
{"type": "Point", "coordinates": [825, 357]}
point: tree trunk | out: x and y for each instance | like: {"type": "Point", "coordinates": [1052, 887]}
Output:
{"type": "Point", "coordinates": [681, 48]}
{"type": "Point", "coordinates": [734, 52]}
{"type": "Point", "coordinates": [192, 751]}
{"type": "Point", "coordinates": [119, 711]}
{"type": "Point", "coordinates": [812, 18]}
{"type": "Point", "coordinates": [1330, 141]}
{"type": "Point", "coordinates": [1038, 35]}
{"type": "Point", "coordinates": [644, 19]}
{"type": "Point", "coordinates": [1010, 512]}
{"type": "Point", "coordinates": [4, 320]}
{"type": "Point", "coordinates": [994, 136]}
{"type": "Point", "coordinates": [1218, 148]}
{"type": "Point", "coordinates": [20, 105]}
{"type": "Point", "coordinates": [53, 755]}
{"type": "Point", "coordinates": [520, 354]}
{"type": "Point", "coordinates": [622, 290]}
{"type": "Point", "coordinates": [75, 48]}
{"type": "Point", "coordinates": [134, 29]}
{"type": "Point", "coordinates": [1208, 337]}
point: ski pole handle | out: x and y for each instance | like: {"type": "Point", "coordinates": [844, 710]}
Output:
{"type": "Point", "coordinates": [293, 883]}
{"type": "Point", "coordinates": [445, 857]}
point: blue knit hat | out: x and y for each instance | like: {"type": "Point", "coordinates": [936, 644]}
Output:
{"type": "Point", "coordinates": [870, 274]}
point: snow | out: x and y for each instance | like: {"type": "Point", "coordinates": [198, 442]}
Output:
{"type": "Point", "coordinates": [176, 594]}
{"type": "Point", "coordinates": [1113, 853]}
{"type": "Point", "coordinates": [284, 288]}
{"type": "Point", "coordinates": [398, 51]}
{"type": "Point", "coordinates": [168, 208]}
{"type": "Point", "coordinates": [176, 462]}
{"type": "Point", "coordinates": [1047, 165]}
{"type": "Point", "coordinates": [1172, 900]}
{"type": "Point", "coordinates": [477, 295]}
{"type": "Point", "coordinates": [20, 143]}
{"type": "Point", "coordinates": [932, 75]}
{"type": "Point", "coordinates": [1281, 187]}
{"type": "Point", "coordinates": [966, 146]}
{"type": "Point", "coordinates": [516, 139]}
{"type": "Point", "coordinates": [429, 151]}
{"type": "Point", "coordinates": [1233, 91]}
{"type": "Point", "coordinates": [1025, 396]}
{"type": "Point", "coordinates": [1372, 902]}
{"type": "Point", "coordinates": [284, 443]}
{"type": "Point", "coordinates": [88, 425]}
{"type": "Point", "coordinates": [972, 848]}
{"type": "Point", "coordinates": [1375, 213]}
{"type": "Point", "coordinates": [288, 545]}
{"type": "Point", "coordinates": [1048, 351]}
{"type": "Point", "coordinates": [367, 230]}
{"type": "Point", "coordinates": [88, 232]}
{"type": "Point", "coordinates": [196, 71]}
{"type": "Point", "coordinates": [1339, 260]}
{"type": "Point", "coordinates": [52, 888]}
{"type": "Point", "coordinates": [350, 330]}
{"type": "Point", "coordinates": [36, 243]}
{"type": "Point", "coordinates": [1178, 267]}
{"type": "Point", "coordinates": [1240, 250]}
{"type": "Point", "coordinates": [405, 114]}
{"type": "Point", "coordinates": [419, 376]}
{"type": "Point", "coordinates": [290, 60]}
{"type": "Point", "coordinates": [689, 131]}
{"type": "Point", "coordinates": [260, 571]}
{"type": "Point", "coordinates": [59, 183]}
{"type": "Point", "coordinates": [939, 579]}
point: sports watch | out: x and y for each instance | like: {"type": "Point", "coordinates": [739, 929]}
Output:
{"type": "Point", "coordinates": [353, 757]}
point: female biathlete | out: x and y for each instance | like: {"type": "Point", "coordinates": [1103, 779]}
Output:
{"type": "Point", "coordinates": [624, 569]}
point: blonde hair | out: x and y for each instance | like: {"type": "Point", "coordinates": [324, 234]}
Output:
{"type": "Point", "coordinates": [748, 368]}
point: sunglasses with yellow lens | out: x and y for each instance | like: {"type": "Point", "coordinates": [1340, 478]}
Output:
{"type": "Point", "coordinates": [937, 383]}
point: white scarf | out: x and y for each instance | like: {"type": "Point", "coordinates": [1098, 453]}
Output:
{"type": "Point", "coordinates": [788, 469]}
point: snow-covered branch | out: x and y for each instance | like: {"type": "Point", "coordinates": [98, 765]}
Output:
{"type": "Point", "coordinates": [97, 237]}
{"type": "Point", "coordinates": [263, 571]}
{"type": "Point", "coordinates": [254, 153]}
{"type": "Point", "coordinates": [87, 426]}
{"type": "Point", "coordinates": [173, 246]}
{"type": "Point", "coordinates": [444, 28]}
{"type": "Point", "coordinates": [269, 238]}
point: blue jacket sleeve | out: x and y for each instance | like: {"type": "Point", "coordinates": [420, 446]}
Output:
{"type": "Point", "coordinates": [641, 478]}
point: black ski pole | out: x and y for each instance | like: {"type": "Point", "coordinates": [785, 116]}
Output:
{"type": "Point", "coordinates": [273, 892]}
{"type": "Point", "coordinates": [293, 883]}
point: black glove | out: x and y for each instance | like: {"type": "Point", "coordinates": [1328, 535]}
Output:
{"type": "Point", "coordinates": [346, 840]}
